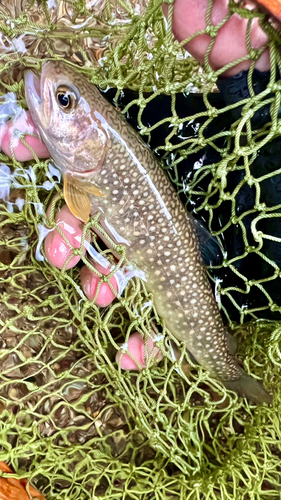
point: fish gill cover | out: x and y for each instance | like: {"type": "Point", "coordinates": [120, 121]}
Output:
{"type": "Point", "coordinates": [73, 423]}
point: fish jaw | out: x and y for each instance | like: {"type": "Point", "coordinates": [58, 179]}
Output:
{"type": "Point", "coordinates": [38, 95]}
{"type": "Point", "coordinates": [32, 89]}
{"type": "Point", "coordinates": [33, 97]}
{"type": "Point", "coordinates": [37, 99]}
{"type": "Point", "coordinates": [35, 102]}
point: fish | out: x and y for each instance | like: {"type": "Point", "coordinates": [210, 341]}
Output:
{"type": "Point", "coordinates": [107, 169]}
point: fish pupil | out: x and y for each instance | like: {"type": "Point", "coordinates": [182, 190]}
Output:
{"type": "Point", "coordinates": [64, 100]}
{"type": "Point", "coordinates": [67, 98]}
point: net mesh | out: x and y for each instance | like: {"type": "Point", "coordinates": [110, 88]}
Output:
{"type": "Point", "coordinates": [72, 422]}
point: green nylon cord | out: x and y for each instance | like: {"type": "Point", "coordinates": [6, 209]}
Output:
{"type": "Point", "coordinates": [72, 422]}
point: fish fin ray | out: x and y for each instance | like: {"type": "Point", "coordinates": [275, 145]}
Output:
{"type": "Point", "coordinates": [91, 188]}
{"type": "Point", "coordinates": [76, 198]}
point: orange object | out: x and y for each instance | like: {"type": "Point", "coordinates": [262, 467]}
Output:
{"type": "Point", "coordinates": [273, 6]}
{"type": "Point", "coordinates": [15, 489]}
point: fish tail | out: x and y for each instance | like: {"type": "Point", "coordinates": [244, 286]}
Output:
{"type": "Point", "coordinates": [250, 388]}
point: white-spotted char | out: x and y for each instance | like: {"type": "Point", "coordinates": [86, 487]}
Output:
{"type": "Point", "coordinates": [99, 153]}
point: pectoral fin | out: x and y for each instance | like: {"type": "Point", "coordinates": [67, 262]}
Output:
{"type": "Point", "coordinates": [76, 198]}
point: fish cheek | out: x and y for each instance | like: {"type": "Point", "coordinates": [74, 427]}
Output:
{"type": "Point", "coordinates": [90, 153]}
{"type": "Point", "coordinates": [58, 128]}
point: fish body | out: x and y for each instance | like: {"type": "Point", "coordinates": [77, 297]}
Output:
{"type": "Point", "coordinates": [90, 142]}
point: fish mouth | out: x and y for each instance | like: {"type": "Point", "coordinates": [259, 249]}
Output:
{"type": "Point", "coordinates": [32, 88]}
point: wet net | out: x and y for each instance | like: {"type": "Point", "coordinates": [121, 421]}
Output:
{"type": "Point", "coordinates": [73, 423]}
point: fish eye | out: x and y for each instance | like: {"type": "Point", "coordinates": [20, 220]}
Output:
{"type": "Point", "coordinates": [66, 98]}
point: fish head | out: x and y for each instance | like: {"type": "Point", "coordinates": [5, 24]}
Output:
{"type": "Point", "coordinates": [59, 104]}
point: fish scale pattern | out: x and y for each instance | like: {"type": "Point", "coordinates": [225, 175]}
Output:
{"type": "Point", "coordinates": [71, 421]}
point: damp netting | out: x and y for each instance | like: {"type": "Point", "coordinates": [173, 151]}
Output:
{"type": "Point", "coordinates": [72, 422]}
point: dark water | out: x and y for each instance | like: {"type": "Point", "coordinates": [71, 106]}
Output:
{"type": "Point", "coordinates": [253, 266]}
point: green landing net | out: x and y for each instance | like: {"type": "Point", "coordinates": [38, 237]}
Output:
{"type": "Point", "coordinates": [71, 421]}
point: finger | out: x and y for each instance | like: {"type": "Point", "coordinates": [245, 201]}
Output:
{"type": "Point", "coordinates": [189, 17]}
{"type": "Point", "coordinates": [10, 133]}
